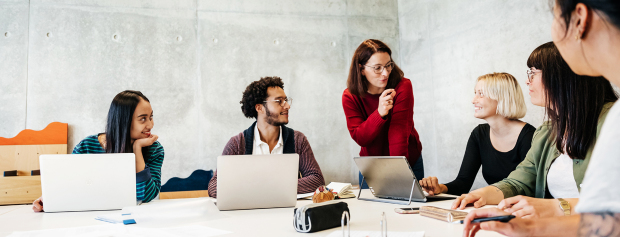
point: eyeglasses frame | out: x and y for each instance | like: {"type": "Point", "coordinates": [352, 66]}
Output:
{"type": "Point", "coordinates": [531, 72]}
{"type": "Point", "coordinates": [287, 100]}
{"type": "Point", "coordinates": [384, 67]}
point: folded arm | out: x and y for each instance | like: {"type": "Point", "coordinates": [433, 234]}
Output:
{"type": "Point", "coordinates": [148, 181]}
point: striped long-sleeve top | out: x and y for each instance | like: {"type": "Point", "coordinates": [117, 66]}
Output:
{"type": "Point", "coordinates": [148, 181]}
{"type": "Point", "coordinates": [311, 175]}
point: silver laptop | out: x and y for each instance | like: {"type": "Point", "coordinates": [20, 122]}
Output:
{"type": "Point", "coordinates": [88, 182]}
{"type": "Point", "coordinates": [257, 181]}
{"type": "Point", "coordinates": [391, 178]}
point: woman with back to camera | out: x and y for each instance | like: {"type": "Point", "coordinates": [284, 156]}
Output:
{"type": "Point", "coordinates": [128, 130]}
{"type": "Point", "coordinates": [378, 105]}
{"type": "Point", "coordinates": [500, 144]}
{"type": "Point", "coordinates": [548, 181]}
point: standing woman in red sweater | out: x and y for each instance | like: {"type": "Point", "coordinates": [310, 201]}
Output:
{"type": "Point", "coordinates": [378, 104]}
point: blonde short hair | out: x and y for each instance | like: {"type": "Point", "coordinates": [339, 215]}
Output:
{"type": "Point", "coordinates": [504, 88]}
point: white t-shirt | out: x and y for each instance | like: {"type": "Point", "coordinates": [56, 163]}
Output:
{"type": "Point", "coordinates": [560, 179]}
{"type": "Point", "coordinates": [262, 148]}
{"type": "Point", "coordinates": [600, 189]}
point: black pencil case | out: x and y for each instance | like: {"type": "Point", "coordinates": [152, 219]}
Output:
{"type": "Point", "coordinates": [319, 216]}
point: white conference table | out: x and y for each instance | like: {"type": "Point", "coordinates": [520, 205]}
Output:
{"type": "Point", "coordinates": [365, 216]}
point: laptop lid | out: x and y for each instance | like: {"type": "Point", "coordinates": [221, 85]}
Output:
{"type": "Point", "coordinates": [390, 177]}
{"type": "Point", "coordinates": [88, 182]}
{"type": "Point", "coordinates": [257, 181]}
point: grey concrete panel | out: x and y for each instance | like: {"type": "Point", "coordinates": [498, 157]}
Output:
{"type": "Point", "coordinates": [306, 52]}
{"type": "Point", "coordinates": [363, 28]}
{"type": "Point", "coordinates": [143, 4]}
{"type": "Point", "coordinates": [77, 66]}
{"type": "Point", "coordinates": [195, 80]}
{"type": "Point", "coordinates": [415, 51]}
{"type": "Point", "coordinates": [374, 9]}
{"type": "Point", "coordinates": [277, 7]}
{"type": "Point", "coordinates": [84, 52]}
{"type": "Point", "coordinates": [12, 2]}
{"type": "Point", "coordinates": [13, 67]}
{"type": "Point", "coordinates": [451, 44]}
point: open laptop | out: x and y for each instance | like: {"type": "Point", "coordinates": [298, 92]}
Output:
{"type": "Point", "coordinates": [257, 181]}
{"type": "Point", "coordinates": [391, 178]}
{"type": "Point", "coordinates": [88, 182]}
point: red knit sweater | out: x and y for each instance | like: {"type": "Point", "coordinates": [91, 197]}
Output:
{"type": "Point", "coordinates": [393, 136]}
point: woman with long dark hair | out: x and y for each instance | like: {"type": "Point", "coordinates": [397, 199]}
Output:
{"type": "Point", "coordinates": [587, 34]}
{"type": "Point", "coordinates": [128, 130]}
{"type": "Point", "coordinates": [378, 104]}
{"type": "Point", "coordinates": [550, 177]}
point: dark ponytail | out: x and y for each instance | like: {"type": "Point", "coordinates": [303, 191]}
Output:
{"type": "Point", "coordinates": [610, 9]}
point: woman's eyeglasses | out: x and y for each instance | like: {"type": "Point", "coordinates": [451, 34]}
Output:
{"type": "Point", "coordinates": [379, 69]}
{"type": "Point", "coordinates": [530, 74]}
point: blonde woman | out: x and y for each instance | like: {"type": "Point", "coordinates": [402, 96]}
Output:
{"type": "Point", "coordinates": [498, 145]}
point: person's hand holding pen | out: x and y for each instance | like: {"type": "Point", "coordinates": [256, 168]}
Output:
{"type": "Point", "coordinates": [514, 227]}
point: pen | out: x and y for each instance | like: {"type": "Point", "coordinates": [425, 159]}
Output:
{"type": "Point", "coordinates": [504, 219]}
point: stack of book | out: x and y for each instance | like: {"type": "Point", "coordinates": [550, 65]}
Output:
{"type": "Point", "coordinates": [446, 215]}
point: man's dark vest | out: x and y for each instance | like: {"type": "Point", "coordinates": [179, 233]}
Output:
{"type": "Point", "coordinates": [288, 138]}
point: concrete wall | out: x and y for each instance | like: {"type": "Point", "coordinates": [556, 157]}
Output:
{"type": "Point", "coordinates": [444, 46]}
{"type": "Point", "coordinates": [13, 65]}
{"type": "Point", "coordinates": [64, 60]}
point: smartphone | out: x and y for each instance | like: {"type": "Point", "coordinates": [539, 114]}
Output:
{"type": "Point", "coordinates": [407, 210]}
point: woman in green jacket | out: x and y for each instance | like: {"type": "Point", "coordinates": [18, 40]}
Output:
{"type": "Point", "coordinates": [576, 107]}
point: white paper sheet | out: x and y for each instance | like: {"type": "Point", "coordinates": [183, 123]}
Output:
{"type": "Point", "coordinates": [377, 234]}
{"type": "Point", "coordinates": [304, 195]}
{"type": "Point", "coordinates": [119, 230]}
{"type": "Point", "coordinates": [174, 212]}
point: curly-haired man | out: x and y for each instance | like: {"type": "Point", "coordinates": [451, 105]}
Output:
{"type": "Point", "coordinates": [265, 101]}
